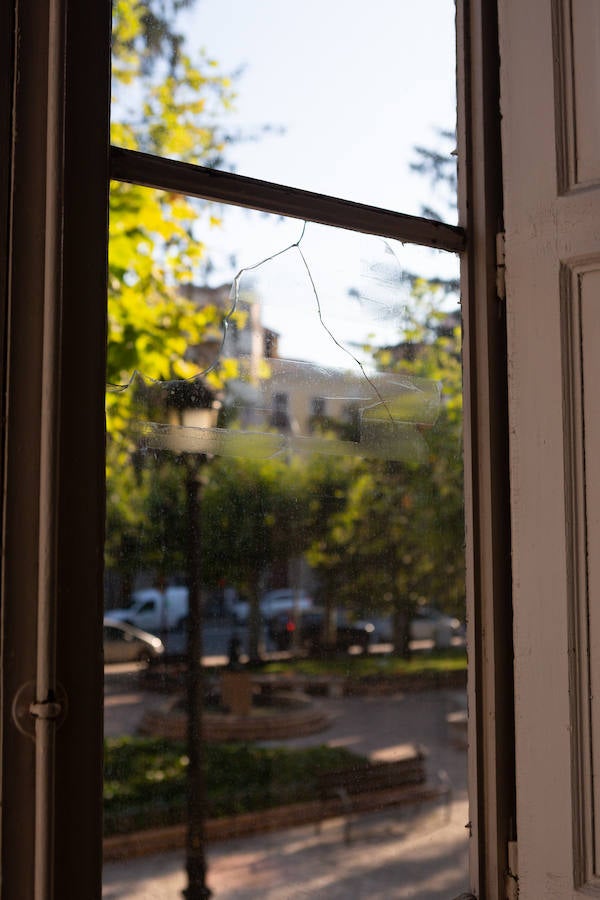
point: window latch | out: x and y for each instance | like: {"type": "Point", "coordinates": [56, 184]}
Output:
{"type": "Point", "coordinates": [26, 709]}
{"type": "Point", "coordinates": [501, 265]}
{"type": "Point", "coordinates": [48, 709]}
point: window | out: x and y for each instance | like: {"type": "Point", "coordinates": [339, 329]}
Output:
{"type": "Point", "coordinates": [60, 318]}
{"type": "Point", "coordinates": [279, 416]}
{"type": "Point", "coordinates": [363, 522]}
{"type": "Point", "coordinates": [148, 606]}
{"type": "Point", "coordinates": [317, 406]}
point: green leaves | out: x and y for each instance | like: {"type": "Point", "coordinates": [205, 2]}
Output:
{"type": "Point", "coordinates": [166, 103]}
{"type": "Point", "coordinates": [398, 537]}
{"type": "Point", "coordinates": [145, 779]}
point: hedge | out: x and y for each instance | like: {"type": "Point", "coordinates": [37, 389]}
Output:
{"type": "Point", "coordinates": [145, 779]}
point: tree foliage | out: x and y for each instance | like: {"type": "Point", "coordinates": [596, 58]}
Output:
{"type": "Point", "coordinates": [397, 539]}
{"type": "Point", "coordinates": [380, 536]}
{"type": "Point", "coordinates": [438, 166]}
{"type": "Point", "coordinates": [168, 104]}
{"type": "Point", "coordinates": [255, 518]}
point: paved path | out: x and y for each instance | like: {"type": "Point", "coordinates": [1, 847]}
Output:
{"type": "Point", "coordinates": [397, 855]}
{"type": "Point", "coordinates": [391, 856]}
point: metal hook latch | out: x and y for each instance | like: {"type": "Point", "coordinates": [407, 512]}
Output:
{"type": "Point", "coordinates": [26, 709]}
{"type": "Point", "coordinates": [49, 709]}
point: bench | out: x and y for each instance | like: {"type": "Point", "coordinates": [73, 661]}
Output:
{"type": "Point", "coordinates": [376, 785]}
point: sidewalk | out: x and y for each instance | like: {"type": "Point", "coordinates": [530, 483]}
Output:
{"type": "Point", "coordinates": [391, 856]}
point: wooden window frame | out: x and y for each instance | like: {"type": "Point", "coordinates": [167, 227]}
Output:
{"type": "Point", "coordinates": [487, 482]}
{"type": "Point", "coordinates": [54, 105]}
{"type": "Point", "coordinates": [54, 308]}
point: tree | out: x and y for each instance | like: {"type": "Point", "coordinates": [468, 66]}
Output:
{"type": "Point", "coordinates": [254, 516]}
{"type": "Point", "coordinates": [167, 104]}
{"type": "Point", "coordinates": [396, 539]}
{"type": "Point", "coordinates": [438, 165]}
{"type": "Point", "coordinates": [329, 483]}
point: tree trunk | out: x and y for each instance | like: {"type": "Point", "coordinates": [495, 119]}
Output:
{"type": "Point", "coordinates": [401, 632]}
{"type": "Point", "coordinates": [329, 623]}
{"type": "Point", "coordinates": [255, 639]}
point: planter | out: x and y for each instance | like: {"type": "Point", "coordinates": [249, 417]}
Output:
{"type": "Point", "coordinates": [273, 717]}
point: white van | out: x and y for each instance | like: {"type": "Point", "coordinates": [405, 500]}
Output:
{"type": "Point", "coordinates": [154, 610]}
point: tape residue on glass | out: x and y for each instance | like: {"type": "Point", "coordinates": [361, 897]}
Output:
{"type": "Point", "coordinates": [271, 404]}
{"type": "Point", "coordinates": [301, 407]}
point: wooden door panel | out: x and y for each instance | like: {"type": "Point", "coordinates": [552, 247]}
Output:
{"type": "Point", "coordinates": [580, 289]}
{"type": "Point", "coordinates": [550, 96]}
{"type": "Point", "coordinates": [576, 37]}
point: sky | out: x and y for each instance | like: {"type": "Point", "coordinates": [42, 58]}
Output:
{"type": "Point", "coordinates": [349, 89]}
{"type": "Point", "coordinates": [354, 85]}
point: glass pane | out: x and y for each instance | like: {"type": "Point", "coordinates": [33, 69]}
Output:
{"type": "Point", "coordinates": [284, 506]}
{"type": "Point", "coordinates": [334, 98]}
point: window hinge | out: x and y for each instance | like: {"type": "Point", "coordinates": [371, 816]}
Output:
{"type": "Point", "coordinates": [511, 878]}
{"type": "Point", "coordinates": [500, 265]}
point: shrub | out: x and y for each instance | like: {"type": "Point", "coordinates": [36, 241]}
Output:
{"type": "Point", "coordinates": [145, 779]}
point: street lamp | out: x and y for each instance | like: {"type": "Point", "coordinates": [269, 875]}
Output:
{"type": "Point", "coordinates": [191, 405]}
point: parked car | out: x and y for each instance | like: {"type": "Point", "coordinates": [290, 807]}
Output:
{"type": "Point", "coordinates": [309, 624]}
{"type": "Point", "coordinates": [126, 643]}
{"type": "Point", "coordinates": [428, 624]}
{"type": "Point", "coordinates": [280, 600]}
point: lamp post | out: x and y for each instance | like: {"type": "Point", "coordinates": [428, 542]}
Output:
{"type": "Point", "coordinates": [192, 406]}
{"type": "Point", "coordinates": [195, 855]}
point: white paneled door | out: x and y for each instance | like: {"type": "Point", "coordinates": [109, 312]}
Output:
{"type": "Point", "coordinates": [550, 100]}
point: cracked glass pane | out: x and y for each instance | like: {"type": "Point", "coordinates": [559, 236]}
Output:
{"type": "Point", "coordinates": [304, 333]}
{"type": "Point", "coordinates": [285, 526]}
{"type": "Point", "coordinates": [343, 98]}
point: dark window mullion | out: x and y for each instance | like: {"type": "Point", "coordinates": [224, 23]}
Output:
{"type": "Point", "coordinates": [225, 187]}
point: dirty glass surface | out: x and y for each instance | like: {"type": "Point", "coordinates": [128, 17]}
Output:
{"type": "Point", "coordinates": [341, 98]}
{"type": "Point", "coordinates": [284, 595]}
{"type": "Point", "coordinates": [284, 415]}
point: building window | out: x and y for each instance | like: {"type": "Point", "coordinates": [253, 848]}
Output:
{"type": "Point", "coordinates": [317, 406]}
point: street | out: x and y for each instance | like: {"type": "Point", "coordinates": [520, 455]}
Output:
{"type": "Point", "coordinates": [217, 634]}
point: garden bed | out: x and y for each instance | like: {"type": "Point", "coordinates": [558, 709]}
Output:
{"type": "Point", "coordinates": [145, 780]}
{"type": "Point", "coordinates": [273, 716]}
{"type": "Point", "coordinates": [250, 790]}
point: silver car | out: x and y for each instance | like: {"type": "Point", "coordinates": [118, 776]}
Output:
{"type": "Point", "coordinates": [427, 624]}
{"type": "Point", "coordinates": [126, 643]}
{"type": "Point", "coordinates": [280, 600]}
{"type": "Point", "coordinates": [432, 624]}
